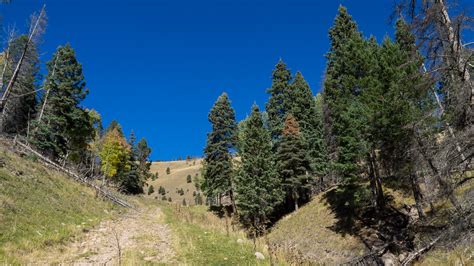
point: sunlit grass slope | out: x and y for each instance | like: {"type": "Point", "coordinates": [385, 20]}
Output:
{"type": "Point", "coordinates": [41, 208]}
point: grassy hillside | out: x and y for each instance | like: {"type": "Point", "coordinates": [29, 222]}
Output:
{"type": "Point", "coordinates": [176, 179]}
{"type": "Point", "coordinates": [202, 238]}
{"type": "Point", "coordinates": [308, 235]}
{"type": "Point", "coordinates": [41, 208]}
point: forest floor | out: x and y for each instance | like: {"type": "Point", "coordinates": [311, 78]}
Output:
{"type": "Point", "coordinates": [137, 236]}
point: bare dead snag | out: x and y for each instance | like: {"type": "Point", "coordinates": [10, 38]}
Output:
{"type": "Point", "coordinates": [31, 36]}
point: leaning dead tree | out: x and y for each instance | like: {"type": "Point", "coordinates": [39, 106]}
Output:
{"type": "Point", "coordinates": [37, 27]}
{"type": "Point", "coordinates": [448, 59]}
{"type": "Point", "coordinates": [439, 28]}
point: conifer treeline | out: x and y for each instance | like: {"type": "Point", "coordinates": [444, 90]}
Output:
{"type": "Point", "coordinates": [376, 122]}
{"type": "Point", "coordinates": [49, 114]}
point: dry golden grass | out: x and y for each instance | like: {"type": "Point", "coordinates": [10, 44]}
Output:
{"type": "Point", "coordinates": [306, 236]}
{"type": "Point", "coordinates": [176, 179]}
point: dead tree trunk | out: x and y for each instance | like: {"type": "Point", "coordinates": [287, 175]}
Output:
{"type": "Point", "coordinates": [415, 186]}
{"type": "Point", "coordinates": [456, 49]}
{"type": "Point", "coordinates": [20, 61]}
{"type": "Point", "coordinates": [446, 187]}
{"type": "Point", "coordinates": [45, 99]}
{"type": "Point", "coordinates": [14, 77]}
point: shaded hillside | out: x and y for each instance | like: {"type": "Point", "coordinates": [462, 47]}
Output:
{"type": "Point", "coordinates": [41, 208]}
{"type": "Point", "coordinates": [307, 236]}
{"type": "Point", "coordinates": [176, 179]}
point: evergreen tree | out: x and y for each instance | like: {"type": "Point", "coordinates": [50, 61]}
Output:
{"type": "Point", "coordinates": [347, 75]}
{"type": "Point", "coordinates": [305, 110]}
{"type": "Point", "coordinates": [258, 186]}
{"type": "Point", "coordinates": [19, 108]}
{"type": "Point", "coordinates": [278, 102]}
{"type": "Point", "coordinates": [143, 152]}
{"type": "Point", "coordinates": [132, 180]}
{"type": "Point", "coordinates": [63, 127]}
{"type": "Point", "coordinates": [293, 162]}
{"type": "Point", "coordinates": [218, 166]}
{"type": "Point", "coordinates": [319, 155]}
{"type": "Point", "coordinates": [150, 190]}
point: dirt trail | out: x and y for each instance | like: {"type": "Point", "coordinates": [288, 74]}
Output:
{"type": "Point", "coordinates": [137, 236]}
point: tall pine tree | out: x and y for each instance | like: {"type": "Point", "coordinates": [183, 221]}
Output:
{"type": "Point", "coordinates": [279, 99]}
{"type": "Point", "coordinates": [258, 186]}
{"type": "Point", "coordinates": [293, 162]}
{"type": "Point", "coordinates": [305, 110]}
{"type": "Point", "coordinates": [218, 166]}
{"type": "Point", "coordinates": [63, 127]}
{"type": "Point", "coordinates": [347, 75]}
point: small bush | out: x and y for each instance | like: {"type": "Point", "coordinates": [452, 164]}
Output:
{"type": "Point", "coordinates": [168, 171]}
{"type": "Point", "coordinates": [150, 190]}
{"type": "Point", "coordinates": [189, 179]}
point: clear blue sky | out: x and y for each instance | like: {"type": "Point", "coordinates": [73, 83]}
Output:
{"type": "Point", "coordinates": [158, 66]}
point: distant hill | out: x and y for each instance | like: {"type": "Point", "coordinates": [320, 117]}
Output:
{"type": "Point", "coordinates": [177, 179]}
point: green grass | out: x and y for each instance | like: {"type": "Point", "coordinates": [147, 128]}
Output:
{"type": "Point", "coordinates": [41, 208]}
{"type": "Point", "coordinates": [205, 243]}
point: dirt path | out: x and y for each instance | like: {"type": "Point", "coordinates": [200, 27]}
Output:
{"type": "Point", "coordinates": [136, 237]}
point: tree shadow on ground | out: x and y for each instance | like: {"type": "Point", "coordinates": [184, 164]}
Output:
{"type": "Point", "coordinates": [374, 227]}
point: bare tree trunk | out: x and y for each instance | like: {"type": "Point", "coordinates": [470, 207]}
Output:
{"type": "Point", "coordinates": [47, 92]}
{"type": "Point", "coordinates": [376, 181]}
{"type": "Point", "coordinates": [20, 61]}
{"type": "Point", "coordinates": [450, 129]}
{"type": "Point", "coordinates": [295, 198]}
{"type": "Point", "coordinates": [415, 186]}
{"type": "Point", "coordinates": [5, 65]}
{"type": "Point", "coordinates": [456, 48]}
{"type": "Point", "coordinates": [445, 186]}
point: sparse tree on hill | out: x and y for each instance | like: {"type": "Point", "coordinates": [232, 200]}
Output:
{"type": "Point", "coordinates": [168, 170]}
{"type": "Point", "coordinates": [150, 190]}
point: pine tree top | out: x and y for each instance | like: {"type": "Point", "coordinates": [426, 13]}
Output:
{"type": "Point", "coordinates": [343, 29]}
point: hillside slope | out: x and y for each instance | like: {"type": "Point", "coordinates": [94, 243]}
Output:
{"type": "Point", "coordinates": [179, 170]}
{"type": "Point", "coordinates": [307, 235]}
{"type": "Point", "coordinates": [41, 208]}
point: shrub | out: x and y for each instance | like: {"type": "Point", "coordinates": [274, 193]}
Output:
{"type": "Point", "coordinates": [168, 171]}
{"type": "Point", "coordinates": [150, 190]}
{"type": "Point", "coordinates": [189, 179]}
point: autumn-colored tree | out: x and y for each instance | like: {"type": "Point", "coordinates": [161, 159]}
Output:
{"type": "Point", "coordinates": [114, 154]}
